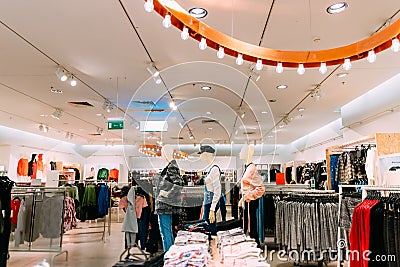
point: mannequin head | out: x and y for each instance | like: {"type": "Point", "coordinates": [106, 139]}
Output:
{"type": "Point", "coordinates": [246, 153]}
{"type": "Point", "coordinates": [207, 154]}
{"type": "Point", "coordinates": [167, 153]}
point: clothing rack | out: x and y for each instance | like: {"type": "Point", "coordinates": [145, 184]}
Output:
{"type": "Point", "coordinates": [40, 192]}
{"type": "Point", "coordinates": [283, 189]}
{"type": "Point", "coordinates": [106, 227]}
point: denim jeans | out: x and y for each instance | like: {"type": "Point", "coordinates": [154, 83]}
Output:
{"type": "Point", "coordinates": [142, 225]}
{"type": "Point", "coordinates": [167, 236]}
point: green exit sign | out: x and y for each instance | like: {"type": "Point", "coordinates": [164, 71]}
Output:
{"type": "Point", "coordinates": [116, 125]}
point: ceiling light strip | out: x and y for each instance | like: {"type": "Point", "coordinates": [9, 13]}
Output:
{"type": "Point", "coordinates": [378, 42]}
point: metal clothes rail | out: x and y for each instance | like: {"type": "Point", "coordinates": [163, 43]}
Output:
{"type": "Point", "coordinates": [38, 194]}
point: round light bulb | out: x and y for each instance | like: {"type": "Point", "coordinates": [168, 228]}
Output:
{"type": "Point", "coordinates": [167, 21]}
{"type": "Point", "coordinates": [347, 64]}
{"type": "Point", "coordinates": [203, 44]}
{"type": "Point", "coordinates": [279, 68]}
{"type": "Point", "coordinates": [371, 56]}
{"type": "Point", "coordinates": [395, 45]}
{"type": "Point", "coordinates": [259, 65]}
{"type": "Point", "coordinates": [221, 52]}
{"type": "Point", "coordinates": [323, 69]}
{"type": "Point", "coordinates": [239, 59]}
{"type": "Point", "coordinates": [185, 33]}
{"type": "Point", "coordinates": [158, 80]}
{"type": "Point", "coordinates": [149, 6]}
{"type": "Point", "coordinates": [171, 104]}
{"type": "Point", "coordinates": [301, 70]}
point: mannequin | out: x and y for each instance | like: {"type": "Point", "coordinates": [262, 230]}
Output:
{"type": "Point", "coordinates": [252, 189]}
{"type": "Point", "coordinates": [168, 195]}
{"type": "Point", "coordinates": [212, 186]}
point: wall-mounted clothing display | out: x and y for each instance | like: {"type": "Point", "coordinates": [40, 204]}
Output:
{"type": "Point", "coordinates": [102, 174]}
{"type": "Point", "coordinates": [22, 167]}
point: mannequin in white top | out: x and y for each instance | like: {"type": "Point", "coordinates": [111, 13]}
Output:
{"type": "Point", "coordinates": [252, 189]}
{"type": "Point", "coordinates": [212, 191]}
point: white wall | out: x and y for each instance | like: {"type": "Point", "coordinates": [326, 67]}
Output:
{"type": "Point", "coordinates": [5, 156]}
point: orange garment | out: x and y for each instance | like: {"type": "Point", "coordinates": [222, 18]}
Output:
{"type": "Point", "coordinates": [40, 163]}
{"type": "Point", "coordinates": [22, 169]}
{"type": "Point", "coordinates": [140, 203]}
{"type": "Point", "coordinates": [113, 174]}
{"type": "Point", "coordinates": [34, 170]}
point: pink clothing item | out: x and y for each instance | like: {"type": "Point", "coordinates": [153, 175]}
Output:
{"type": "Point", "coordinates": [123, 203]}
{"type": "Point", "coordinates": [252, 185]}
{"type": "Point", "coordinates": [141, 203]}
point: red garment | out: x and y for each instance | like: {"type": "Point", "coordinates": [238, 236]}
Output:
{"type": "Point", "coordinates": [70, 221]}
{"type": "Point", "coordinates": [360, 232]}
{"type": "Point", "coordinates": [140, 203]}
{"type": "Point", "coordinates": [113, 175]}
{"type": "Point", "coordinates": [22, 169]}
{"type": "Point", "coordinates": [34, 170]}
{"type": "Point", "coordinates": [15, 204]}
{"type": "Point", "coordinates": [40, 163]}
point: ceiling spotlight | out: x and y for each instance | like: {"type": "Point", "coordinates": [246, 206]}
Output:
{"type": "Point", "coordinates": [57, 114]}
{"type": "Point", "coordinates": [337, 8]}
{"type": "Point", "coordinates": [206, 88]}
{"type": "Point", "coordinates": [198, 12]}
{"type": "Point", "coordinates": [371, 56]}
{"type": "Point", "coordinates": [243, 114]}
{"type": "Point", "coordinates": [108, 106]}
{"type": "Point", "coordinates": [191, 137]}
{"type": "Point", "coordinates": [347, 64]}
{"type": "Point", "coordinates": [203, 43]}
{"type": "Point", "coordinates": [157, 80]}
{"type": "Point", "coordinates": [301, 70]}
{"type": "Point", "coordinates": [149, 6]}
{"type": "Point", "coordinates": [153, 70]}
{"type": "Point", "coordinates": [323, 69]}
{"type": "Point", "coordinates": [395, 45]}
{"type": "Point", "coordinates": [55, 91]}
{"type": "Point", "coordinates": [220, 53]}
{"type": "Point", "coordinates": [43, 128]}
{"type": "Point", "coordinates": [259, 65]}
{"type": "Point", "coordinates": [167, 21]}
{"type": "Point", "coordinates": [239, 59]}
{"type": "Point", "coordinates": [73, 81]}
{"type": "Point", "coordinates": [301, 109]}
{"type": "Point", "coordinates": [316, 94]}
{"type": "Point", "coordinates": [264, 112]}
{"type": "Point", "coordinates": [279, 68]}
{"type": "Point", "coordinates": [185, 33]}
{"type": "Point", "coordinates": [61, 74]}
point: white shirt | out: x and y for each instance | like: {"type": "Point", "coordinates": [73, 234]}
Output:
{"type": "Point", "coordinates": [213, 184]}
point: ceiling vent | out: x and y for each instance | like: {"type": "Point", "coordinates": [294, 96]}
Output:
{"type": "Point", "coordinates": [249, 133]}
{"type": "Point", "coordinates": [95, 134]}
{"type": "Point", "coordinates": [80, 104]}
{"type": "Point", "coordinates": [209, 121]}
{"type": "Point", "coordinates": [155, 110]}
{"type": "Point", "coordinates": [177, 138]}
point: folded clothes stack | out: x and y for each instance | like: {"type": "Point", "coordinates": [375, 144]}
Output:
{"type": "Point", "coordinates": [189, 249]}
{"type": "Point", "coordinates": [195, 255]}
{"type": "Point", "coordinates": [238, 250]}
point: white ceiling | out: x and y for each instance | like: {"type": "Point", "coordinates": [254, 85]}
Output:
{"type": "Point", "coordinates": [96, 41]}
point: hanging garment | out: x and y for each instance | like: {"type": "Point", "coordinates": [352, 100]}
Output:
{"type": "Point", "coordinates": [114, 173]}
{"type": "Point", "coordinates": [21, 224]}
{"type": "Point", "coordinates": [15, 205]}
{"type": "Point", "coordinates": [5, 222]}
{"type": "Point", "coordinates": [102, 174]}
{"type": "Point", "coordinates": [30, 165]}
{"type": "Point", "coordinates": [89, 208]}
{"type": "Point", "coordinates": [22, 169]}
{"type": "Point", "coordinates": [103, 201]}
{"type": "Point", "coordinates": [39, 162]}
{"type": "Point", "coordinates": [51, 217]}
{"type": "Point", "coordinates": [130, 221]}
{"type": "Point", "coordinates": [140, 203]}
{"type": "Point", "coordinates": [252, 184]}
{"type": "Point", "coordinates": [70, 221]}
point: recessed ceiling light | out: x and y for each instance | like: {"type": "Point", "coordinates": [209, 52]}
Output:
{"type": "Point", "coordinates": [342, 74]}
{"type": "Point", "coordinates": [206, 88]}
{"type": "Point", "coordinates": [270, 136]}
{"type": "Point", "coordinates": [198, 12]}
{"type": "Point", "coordinates": [44, 115]}
{"type": "Point", "coordinates": [99, 114]}
{"type": "Point", "coordinates": [282, 86]}
{"type": "Point", "coordinates": [210, 128]}
{"type": "Point", "coordinates": [337, 8]}
{"type": "Point", "coordinates": [301, 109]}
{"type": "Point", "coordinates": [264, 112]}
{"type": "Point", "coordinates": [55, 91]}
{"type": "Point", "coordinates": [208, 112]}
